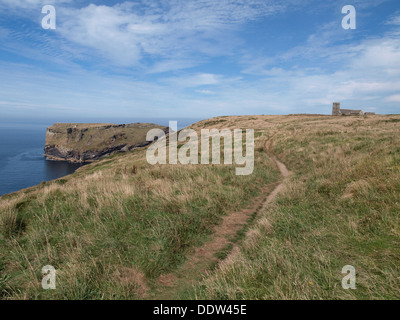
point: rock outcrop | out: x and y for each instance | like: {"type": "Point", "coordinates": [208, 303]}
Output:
{"type": "Point", "coordinates": [79, 142]}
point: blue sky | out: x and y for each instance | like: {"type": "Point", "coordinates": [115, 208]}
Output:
{"type": "Point", "coordinates": [197, 58]}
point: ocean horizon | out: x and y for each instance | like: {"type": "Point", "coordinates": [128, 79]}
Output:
{"type": "Point", "coordinates": [22, 161]}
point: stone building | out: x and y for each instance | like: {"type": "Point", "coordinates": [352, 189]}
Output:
{"type": "Point", "coordinates": [336, 111]}
{"type": "Point", "coordinates": [349, 112]}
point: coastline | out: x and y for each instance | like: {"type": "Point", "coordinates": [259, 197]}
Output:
{"type": "Point", "coordinates": [69, 160]}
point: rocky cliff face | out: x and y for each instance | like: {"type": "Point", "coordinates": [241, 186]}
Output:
{"type": "Point", "coordinates": [89, 142]}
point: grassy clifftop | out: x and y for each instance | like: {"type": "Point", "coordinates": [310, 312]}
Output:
{"type": "Point", "coordinates": [112, 232]}
{"type": "Point", "coordinates": [340, 207]}
{"type": "Point", "coordinates": [81, 142]}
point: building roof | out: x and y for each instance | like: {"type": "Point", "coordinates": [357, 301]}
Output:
{"type": "Point", "coordinates": [350, 111]}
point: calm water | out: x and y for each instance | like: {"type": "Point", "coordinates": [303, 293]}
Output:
{"type": "Point", "coordinates": [22, 163]}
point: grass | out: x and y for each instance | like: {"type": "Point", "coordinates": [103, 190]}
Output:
{"type": "Point", "coordinates": [96, 136]}
{"type": "Point", "coordinates": [110, 233]}
{"type": "Point", "coordinates": [341, 207]}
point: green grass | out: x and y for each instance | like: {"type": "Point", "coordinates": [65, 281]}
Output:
{"type": "Point", "coordinates": [110, 234]}
{"type": "Point", "coordinates": [340, 207]}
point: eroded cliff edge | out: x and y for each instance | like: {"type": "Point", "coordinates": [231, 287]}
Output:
{"type": "Point", "coordinates": [83, 142]}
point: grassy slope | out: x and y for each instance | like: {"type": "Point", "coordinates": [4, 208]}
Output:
{"type": "Point", "coordinates": [341, 207]}
{"type": "Point", "coordinates": [110, 234]}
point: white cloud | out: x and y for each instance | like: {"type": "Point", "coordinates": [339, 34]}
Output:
{"type": "Point", "coordinates": [393, 98]}
{"type": "Point", "coordinates": [21, 3]}
{"type": "Point", "coordinates": [208, 92]}
{"type": "Point", "coordinates": [29, 4]}
{"type": "Point", "coordinates": [111, 31]}
{"type": "Point", "coordinates": [381, 56]}
{"type": "Point", "coordinates": [394, 19]}
{"type": "Point", "coordinates": [195, 80]}
{"type": "Point", "coordinates": [160, 36]}
{"type": "Point", "coordinates": [360, 73]}
{"type": "Point", "coordinates": [135, 33]}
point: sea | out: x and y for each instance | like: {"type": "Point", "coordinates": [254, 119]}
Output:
{"type": "Point", "coordinates": [22, 163]}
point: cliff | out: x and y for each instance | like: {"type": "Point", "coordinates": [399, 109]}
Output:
{"type": "Point", "coordinates": [83, 142]}
{"type": "Point", "coordinates": [141, 224]}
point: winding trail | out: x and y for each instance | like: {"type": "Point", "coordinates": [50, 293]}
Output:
{"type": "Point", "coordinates": [285, 173]}
{"type": "Point", "coordinates": [223, 236]}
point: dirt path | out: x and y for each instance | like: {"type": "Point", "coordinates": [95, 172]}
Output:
{"type": "Point", "coordinates": [285, 173]}
{"type": "Point", "coordinates": [204, 257]}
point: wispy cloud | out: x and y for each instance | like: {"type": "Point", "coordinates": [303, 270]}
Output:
{"type": "Point", "coordinates": [394, 19]}
{"type": "Point", "coordinates": [196, 58]}
{"type": "Point", "coordinates": [31, 4]}
{"type": "Point", "coordinates": [195, 80]}
{"type": "Point", "coordinates": [136, 33]}
{"type": "Point", "coordinates": [394, 98]}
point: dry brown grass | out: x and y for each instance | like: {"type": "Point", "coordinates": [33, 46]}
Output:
{"type": "Point", "coordinates": [105, 217]}
{"type": "Point", "coordinates": [340, 207]}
